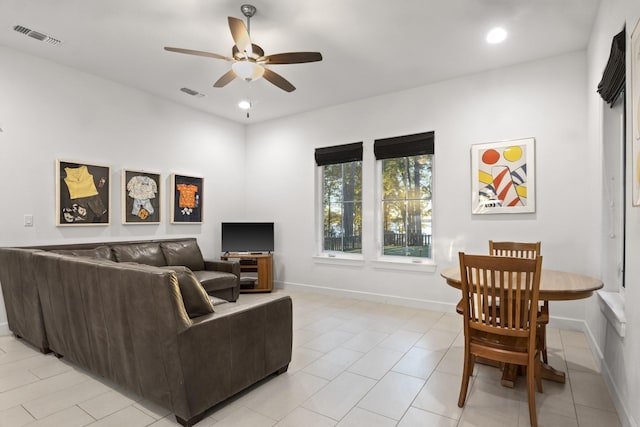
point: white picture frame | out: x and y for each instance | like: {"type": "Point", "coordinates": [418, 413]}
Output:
{"type": "Point", "coordinates": [503, 177]}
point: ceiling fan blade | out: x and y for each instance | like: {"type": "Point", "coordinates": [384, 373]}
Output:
{"type": "Point", "coordinates": [225, 79]}
{"type": "Point", "coordinates": [240, 34]}
{"type": "Point", "coordinates": [278, 80]}
{"type": "Point", "coordinates": [291, 58]}
{"type": "Point", "coordinates": [197, 52]}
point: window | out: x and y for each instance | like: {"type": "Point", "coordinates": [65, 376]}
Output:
{"type": "Point", "coordinates": [341, 197]}
{"type": "Point", "coordinates": [406, 194]}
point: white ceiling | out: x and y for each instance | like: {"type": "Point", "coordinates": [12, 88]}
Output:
{"type": "Point", "coordinates": [370, 47]}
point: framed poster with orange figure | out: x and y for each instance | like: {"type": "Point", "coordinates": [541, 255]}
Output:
{"type": "Point", "coordinates": [503, 177]}
{"type": "Point", "coordinates": [187, 196]}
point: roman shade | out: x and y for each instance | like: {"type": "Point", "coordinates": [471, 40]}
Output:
{"type": "Point", "coordinates": [403, 146]}
{"type": "Point", "coordinates": [613, 78]}
{"type": "Point", "coordinates": [339, 154]}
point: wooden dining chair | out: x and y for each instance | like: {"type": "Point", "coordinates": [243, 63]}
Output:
{"type": "Point", "coordinates": [514, 249]}
{"type": "Point", "coordinates": [526, 250]}
{"type": "Point", "coordinates": [500, 309]}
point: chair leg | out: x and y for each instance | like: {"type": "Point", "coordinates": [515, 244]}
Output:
{"type": "Point", "coordinates": [542, 331]}
{"type": "Point", "coordinates": [532, 394]}
{"type": "Point", "coordinates": [466, 374]}
{"type": "Point", "coordinates": [538, 373]}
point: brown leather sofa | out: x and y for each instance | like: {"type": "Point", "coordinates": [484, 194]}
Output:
{"type": "Point", "coordinates": [132, 323]}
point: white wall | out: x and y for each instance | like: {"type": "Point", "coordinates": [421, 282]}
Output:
{"type": "Point", "coordinates": [544, 99]}
{"type": "Point", "coordinates": [51, 112]}
{"type": "Point", "coordinates": [618, 356]}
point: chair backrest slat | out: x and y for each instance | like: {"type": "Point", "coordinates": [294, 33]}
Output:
{"type": "Point", "coordinates": [514, 249]}
{"type": "Point", "coordinates": [500, 294]}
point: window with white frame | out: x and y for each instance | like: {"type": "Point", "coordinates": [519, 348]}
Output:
{"type": "Point", "coordinates": [406, 194]}
{"type": "Point", "coordinates": [341, 197]}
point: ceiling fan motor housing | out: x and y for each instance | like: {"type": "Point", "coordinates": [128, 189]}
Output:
{"type": "Point", "coordinates": [248, 10]}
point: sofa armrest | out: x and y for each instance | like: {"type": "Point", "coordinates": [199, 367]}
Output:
{"type": "Point", "coordinates": [225, 266]}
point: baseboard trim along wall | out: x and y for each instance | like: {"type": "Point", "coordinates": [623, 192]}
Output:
{"type": "Point", "coordinates": [370, 296]}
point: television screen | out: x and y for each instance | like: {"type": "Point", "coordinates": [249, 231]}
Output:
{"type": "Point", "coordinates": [247, 237]}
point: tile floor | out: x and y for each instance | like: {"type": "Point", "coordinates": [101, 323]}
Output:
{"type": "Point", "coordinates": [355, 363]}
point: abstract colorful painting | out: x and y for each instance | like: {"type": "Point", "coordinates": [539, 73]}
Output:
{"type": "Point", "coordinates": [503, 177]}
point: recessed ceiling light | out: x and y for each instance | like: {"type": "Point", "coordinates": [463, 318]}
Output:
{"type": "Point", "coordinates": [244, 104]}
{"type": "Point", "coordinates": [496, 35]}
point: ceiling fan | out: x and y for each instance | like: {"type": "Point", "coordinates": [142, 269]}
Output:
{"type": "Point", "coordinates": [248, 59]}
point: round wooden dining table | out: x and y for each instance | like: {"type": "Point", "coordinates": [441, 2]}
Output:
{"type": "Point", "coordinates": [554, 286]}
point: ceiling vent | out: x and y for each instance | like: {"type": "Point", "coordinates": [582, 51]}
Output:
{"type": "Point", "coordinates": [192, 92]}
{"type": "Point", "coordinates": [36, 35]}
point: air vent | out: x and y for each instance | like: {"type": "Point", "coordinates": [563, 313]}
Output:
{"type": "Point", "coordinates": [36, 35]}
{"type": "Point", "coordinates": [192, 92]}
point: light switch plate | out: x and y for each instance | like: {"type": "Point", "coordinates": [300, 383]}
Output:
{"type": "Point", "coordinates": [28, 220]}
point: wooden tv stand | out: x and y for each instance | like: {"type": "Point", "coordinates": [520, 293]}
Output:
{"type": "Point", "coordinates": [255, 263]}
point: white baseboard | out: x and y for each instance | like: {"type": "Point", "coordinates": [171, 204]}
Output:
{"type": "Point", "coordinates": [626, 420]}
{"type": "Point", "coordinates": [370, 296]}
{"type": "Point", "coordinates": [4, 329]}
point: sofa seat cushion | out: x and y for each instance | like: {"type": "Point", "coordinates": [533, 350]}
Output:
{"type": "Point", "coordinates": [142, 253]}
{"type": "Point", "coordinates": [216, 280]}
{"type": "Point", "coordinates": [184, 252]}
{"type": "Point", "coordinates": [195, 299]}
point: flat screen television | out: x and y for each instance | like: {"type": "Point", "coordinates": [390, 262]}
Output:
{"type": "Point", "coordinates": [247, 237]}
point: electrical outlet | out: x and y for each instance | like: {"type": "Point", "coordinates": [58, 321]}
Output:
{"type": "Point", "coordinates": [28, 220]}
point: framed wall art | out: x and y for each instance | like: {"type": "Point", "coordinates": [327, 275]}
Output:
{"type": "Point", "coordinates": [141, 197]}
{"type": "Point", "coordinates": [83, 193]}
{"type": "Point", "coordinates": [503, 177]}
{"type": "Point", "coordinates": [635, 113]}
{"type": "Point", "coordinates": [187, 196]}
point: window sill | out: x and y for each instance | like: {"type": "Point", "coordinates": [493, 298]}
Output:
{"type": "Point", "coordinates": [612, 306]}
{"type": "Point", "coordinates": [410, 264]}
{"type": "Point", "coordinates": [339, 259]}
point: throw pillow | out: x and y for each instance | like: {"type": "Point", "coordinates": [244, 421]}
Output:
{"type": "Point", "coordinates": [195, 298]}
{"type": "Point", "coordinates": [183, 252]}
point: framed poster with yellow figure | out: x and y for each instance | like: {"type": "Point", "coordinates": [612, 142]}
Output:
{"type": "Point", "coordinates": [83, 193]}
{"type": "Point", "coordinates": [187, 196]}
{"type": "Point", "coordinates": [503, 177]}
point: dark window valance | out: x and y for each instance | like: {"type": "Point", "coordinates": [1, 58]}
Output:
{"type": "Point", "coordinates": [403, 146]}
{"type": "Point", "coordinates": [339, 154]}
{"type": "Point", "coordinates": [613, 78]}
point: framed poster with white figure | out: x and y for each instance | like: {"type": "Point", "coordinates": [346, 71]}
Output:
{"type": "Point", "coordinates": [141, 197]}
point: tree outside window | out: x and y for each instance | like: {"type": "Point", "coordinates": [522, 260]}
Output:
{"type": "Point", "coordinates": [406, 206]}
{"type": "Point", "coordinates": [342, 207]}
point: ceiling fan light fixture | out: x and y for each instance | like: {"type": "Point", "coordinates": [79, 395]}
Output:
{"type": "Point", "coordinates": [247, 70]}
{"type": "Point", "coordinates": [244, 104]}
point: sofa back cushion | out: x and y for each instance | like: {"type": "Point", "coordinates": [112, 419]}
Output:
{"type": "Point", "coordinates": [183, 252]}
{"type": "Point", "coordinates": [100, 252]}
{"type": "Point", "coordinates": [142, 253]}
{"type": "Point", "coordinates": [195, 298]}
